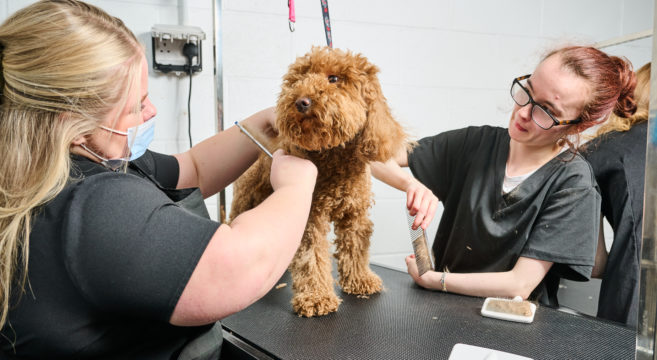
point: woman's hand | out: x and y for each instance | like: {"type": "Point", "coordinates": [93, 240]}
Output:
{"type": "Point", "coordinates": [428, 280]}
{"type": "Point", "coordinates": [289, 170]}
{"type": "Point", "coordinates": [421, 203]}
{"type": "Point", "coordinates": [266, 123]}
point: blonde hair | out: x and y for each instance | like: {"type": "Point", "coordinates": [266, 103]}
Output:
{"type": "Point", "coordinates": [64, 65]}
{"type": "Point", "coordinates": [642, 98]}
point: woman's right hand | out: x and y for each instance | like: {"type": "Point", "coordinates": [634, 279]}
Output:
{"type": "Point", "coordinates": [289, 170]}
{"type": "Point", "coordinates": [421, 203]}
{"type": "Point", "coordinates": [428, 280]}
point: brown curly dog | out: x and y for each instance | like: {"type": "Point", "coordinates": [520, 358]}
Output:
{"type": "Point", "coordinates": [332, 112]}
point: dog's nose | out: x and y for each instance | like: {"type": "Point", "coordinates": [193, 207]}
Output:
{"type": "Point", "coordinates": [303, 104]}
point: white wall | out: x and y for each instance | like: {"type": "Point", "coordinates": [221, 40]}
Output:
{"type": "Point", "coordinates": [444, 64]}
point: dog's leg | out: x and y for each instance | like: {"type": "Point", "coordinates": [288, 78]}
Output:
{"type": "Point", "coordinates": [311, 271]}
{"type": "Point", "coordinates": [353, 229]}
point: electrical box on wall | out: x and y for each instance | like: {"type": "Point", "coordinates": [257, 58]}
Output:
{"type": "Point", "coordinates": [177, 48]}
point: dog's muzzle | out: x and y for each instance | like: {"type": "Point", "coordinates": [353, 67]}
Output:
{"type": "Point", "coordinates": [303, 104]}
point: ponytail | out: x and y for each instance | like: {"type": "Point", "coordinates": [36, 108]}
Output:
{"type": "Point", "coordinates": [626, 105]}
{"type": "Point", "coordinates": [618, 122]}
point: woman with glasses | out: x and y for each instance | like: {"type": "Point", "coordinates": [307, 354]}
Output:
{"type": "Point", "coordinates": [521, 209]}
{"type": "Point", "coordinates": [617, 156]}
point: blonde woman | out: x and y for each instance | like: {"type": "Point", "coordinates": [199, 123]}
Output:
{"type": "Point", "coordinates": [101, 257]}
{"type": "Point", "coordinates": [617, 156]}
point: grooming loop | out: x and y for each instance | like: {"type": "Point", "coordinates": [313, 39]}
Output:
{"type": "Point", "coordinates": [292, 18]}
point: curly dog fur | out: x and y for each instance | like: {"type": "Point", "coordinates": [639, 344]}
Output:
{"type": "Point", "coordinates": [332, 112]}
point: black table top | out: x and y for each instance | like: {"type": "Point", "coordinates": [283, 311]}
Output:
{"type": "Point", "coordinates": [408, 322]}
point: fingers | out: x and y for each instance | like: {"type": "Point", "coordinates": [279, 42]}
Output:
{"type": "Point", "coordinates": [422, 204]}
{"type": "Point", "coordinates": [430, 214]}
{"type": "Point", "coordinates": [289, 170]}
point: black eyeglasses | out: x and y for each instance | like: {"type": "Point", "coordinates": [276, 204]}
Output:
{"type": "Point", "coordinates": [539, 113]}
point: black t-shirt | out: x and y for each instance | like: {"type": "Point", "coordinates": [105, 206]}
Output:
{"type": "Point", "coordinates": [109, 258]}
{"type": "Point", "coordinates": [618, 160]}
{"type": "Point", "coordinates": [553, 215]}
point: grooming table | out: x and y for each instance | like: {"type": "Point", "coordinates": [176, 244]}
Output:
{"type": "Point", "coordinates": [408, 322]}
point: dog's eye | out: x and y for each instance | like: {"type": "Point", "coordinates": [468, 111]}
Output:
{"type": "Point", "coordinates": [333, 78]}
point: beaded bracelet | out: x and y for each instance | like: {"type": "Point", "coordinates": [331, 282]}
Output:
{"type": "Point", "coordinates": [442, 281]}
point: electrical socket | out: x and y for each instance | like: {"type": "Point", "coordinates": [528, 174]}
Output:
{"type": "Point", "coordinates": [168, 42]}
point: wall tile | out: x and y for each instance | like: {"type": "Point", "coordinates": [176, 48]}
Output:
{"type": "Point", "coordinates": [422, 111]}
{"type": "Point", "coordinates": [380, 44]}
{"type": "Point", "coordinates": [638, 52]}
{"type": "Point", "coordinates": [514, 17]}
{"type": "Point", "coordinates": [637, 15]}
{"type": "Point", "coordinates": [584, 20]}
{"type": "Point", "coordinates": [417, 13]}
{"type": "Point", "coordinates": [477, 107]}
{"type": "Point", "coordinates": [309, 32]}
{"type": "Point", "coordinates": [246, 96]}
{"type": "Point", "coordinates": [258, 6]}
{"type": "Point", "coordinates": [255, 45]}
{"type": "Point", "coordinates": [420, 50]}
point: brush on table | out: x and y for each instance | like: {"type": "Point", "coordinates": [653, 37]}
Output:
{"type": "Point", "coordinates": [515, 309]}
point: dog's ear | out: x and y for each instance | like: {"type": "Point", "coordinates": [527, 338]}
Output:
{"type": "Point", "coordinates": [382, 136]}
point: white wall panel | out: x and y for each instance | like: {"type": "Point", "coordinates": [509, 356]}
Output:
{"type": "Point", "coordinates": [637, 15]}
{"type": "Point", "coordinates": [476, 107]}
{"type": "Point", "coordinates": [513, 17]}
{"type": "Point", "coordinates": [255, 45]}
{"type": "Point", "coordinates": [417, 13]}
{"type": "Point", "coordinates": [586, 20]}
{"type": "Point", "coordinates": [421, 110]}
{"type": "Point", "coordinates": [380, 44]}
{"type": "Point", "coordinates": [245, 96]}
{"type": "Point", "coordinates": [427, 59]}
{"type": "Point", "coordinates": [310, 32]}
{"type": "Point", "coordinates": [257, 6]}
{"type": "Point", "coordinates": [638, 52]}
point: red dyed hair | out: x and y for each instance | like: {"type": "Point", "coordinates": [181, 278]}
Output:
{"type": "Point", "coordinates": [610, 78]}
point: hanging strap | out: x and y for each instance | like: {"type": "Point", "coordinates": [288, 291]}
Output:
{"type": "Point", "coordinates": [291, 18]}
{"type": "Point", "coordinates": [327, 23]}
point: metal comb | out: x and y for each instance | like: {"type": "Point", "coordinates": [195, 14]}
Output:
{"type": "Point", "coordinates": [248, 134]}
{"type": "Point", "coordinates": [420, 247]}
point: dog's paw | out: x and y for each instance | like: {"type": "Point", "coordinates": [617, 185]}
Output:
{"type": "Point", "coordinates": [367, 284]}
{"type": "Point", "coordinates": [309, 305]}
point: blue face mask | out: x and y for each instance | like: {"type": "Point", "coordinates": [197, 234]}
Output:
{"type": "Point", "coordinates": [139, 137]}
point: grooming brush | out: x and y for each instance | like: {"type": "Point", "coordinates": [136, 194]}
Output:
{"type": "Point", "coordinates": [420, 248]}
{"type": "Point", "coordinates": [262, 147]}
{"type": "Point", "coordinates": [514, 309]}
